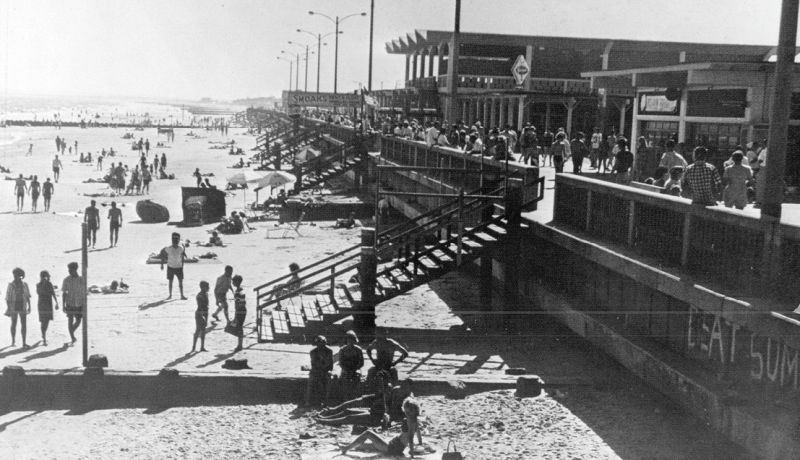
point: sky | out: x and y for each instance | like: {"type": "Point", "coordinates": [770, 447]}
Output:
{"type": "Point", "coordinates": [189, 49]}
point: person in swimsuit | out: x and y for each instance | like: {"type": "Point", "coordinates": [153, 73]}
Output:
{"type": "Point", "coordinates": [201, 317]}
{"type": "Point", "coordinates": [47, 295]}
{"type": "Point", "coordinates": [92, 218]}
{"type": "Point", "coordinates": [164, 160]}
{"type": "Point", "coordinates": [18, 301]}
{"type": "Point", "coordinates": [174, 256]}
{"type": "Point", "coordinates": [35, 188]}
{"type": "Point", "coordinates": [19, 189]}
{"type": "Point", "coordinates": [57, 168]}
{"type": "Point", "coordinates": [380, 408]}
{"type": "Point", "coordinates": [73, 295]}
{"type": "Point", "coordinates": [47, 193]}
{"type": "Point", "coordinates": [240, 307]}
{"type": "Point", "coordinates": [115, 218]}
{"type": "Point", "coordinates": [397, 445]}
{"type": "Point", "coordinates": [385, 349]}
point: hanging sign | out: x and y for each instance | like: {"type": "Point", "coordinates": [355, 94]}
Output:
{"type": "Point", "coordinates": [520, 70]}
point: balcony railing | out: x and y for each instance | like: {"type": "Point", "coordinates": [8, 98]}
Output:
{"type": "Point", "coordinates": [542, 85]}
{"type": "Point", "coordinates": [718, 244]}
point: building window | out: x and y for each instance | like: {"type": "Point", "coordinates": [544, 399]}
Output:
{"type": "Point", "coordinates": [719, 138]}
{"type": "Point", "coordinates": [657, 132]}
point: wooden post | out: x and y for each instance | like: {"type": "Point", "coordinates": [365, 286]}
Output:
{"type": "Point", "coordinates": [460, 226]}
{"type": "Point", "coordinates": [512, 247]}
{"type": "Point", "coordinates": [84, 271]}
{"type": "Point", "coordinates": [364, 320]}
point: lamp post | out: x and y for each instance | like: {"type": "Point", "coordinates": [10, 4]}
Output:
{"type": "Point", "coordinates": [336, 51]}
{"type": "Point", "coordinates": [305, 88]}
{"type": "Point", "coordinates": [319, 38]}
{"type": "Point", "coordinates": [291, 63]}
{"type": "Point", "coordinates": [297, 68]}
{"type": "Point", "coordinates": [371, 22]}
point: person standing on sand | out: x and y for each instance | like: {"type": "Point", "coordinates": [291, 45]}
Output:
{"type": "Point", "coordinates": [47, 193]}
{"type": "Point", "coordinates": [221, 293]}
{"type": "Point", "coordinates": [201, 317]}
{"type": "Point", "coordinates": [57, 168]}
{"type": "Point", "coordinates": [47, 295]}
{"type": "Point", "coordinates": [164, 161]}
{"type": "Point", "coordinates": [35, 190]}
{"type": "Point", "coordinates": [385, 349]}
{"type": "Point", "coordinates": [19, 189]}
{"type": "Point", "coordinates": [174, 256]}
{"type": "Point", "coordinates": [146, 178]}
{"type": "Point", "coordinates": [74, 299]}
{"type": "Point", "coordinates": [18, 301]}
{"type": "Point", "coordinates": [115, 218]}
{"type": "Point", "coordinates": [147, 146]}
{"type": "Point", "coordinates": [30, 150]}
{"type": "Point", "coordinates": [240, 306]}
{"type": "Point", "coordinates": [92, 218]}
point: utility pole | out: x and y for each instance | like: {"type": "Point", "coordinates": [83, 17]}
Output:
{"type": "Point", "coordinates": [371, 26]}
{"type": "Point", "coordinates": [336, 58]}
{"type": "Point", "coordinates": [84, 272]}
{"type": "Point", "coordinates": [452, 84]}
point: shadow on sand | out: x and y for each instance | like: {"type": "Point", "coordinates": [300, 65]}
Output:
{"type": "Point", "coordinates": [46, 353]}
{"type": "Point", "coordinates": [157, 303]}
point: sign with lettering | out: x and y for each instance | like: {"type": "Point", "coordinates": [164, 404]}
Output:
{"type": "Point", "coordinates": [304, 99]}
{"type": "Point", "coordinates": [728, 103]}
{"type": "Point", "coordinates": [657, 104]}
{"type": "Point", "coordinates": [520, 70]}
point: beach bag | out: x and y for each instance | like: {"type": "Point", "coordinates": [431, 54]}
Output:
{"type": "Point", "coordinates": [454, 455]}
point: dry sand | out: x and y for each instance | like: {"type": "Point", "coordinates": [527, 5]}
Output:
{"type": "Point", "coordinates": [600, 412]}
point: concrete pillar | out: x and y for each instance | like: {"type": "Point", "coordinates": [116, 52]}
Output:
{"type": "Point", "coordinates": [622, 110]}
{"type": "Point", "coordinates": [511, 111]}
{"type": "Point", "coordinates": [485, 115]}
{"type": "Point", "coordinates": [421, 66]}
{"type": "Point", "coordinates": [464, 104]}
{"type": "Point", "coordinates": [479, 110]}
{"type": "Point", "coordinates": [502, 113]}
{"type": "Point", "coordinates": [430, 63]}
{"type": "Point", "coordinates": [546, 116]}
{"type": "Point", "coordinates": [520, 114]}
{"type": "Point", "coordinates": [570, 105]}
{"type": "Point", "coordinates": [414, 66]}
{"type": "Point", "coordinates": [408, 66]}
{"type": "Point", "coordinates": [492, 114]}
{"type": "Point", "coordinates": [364, 320]}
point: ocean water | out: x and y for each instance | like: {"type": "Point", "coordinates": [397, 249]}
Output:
{"type": "Point", "coordinates": [98, 109]}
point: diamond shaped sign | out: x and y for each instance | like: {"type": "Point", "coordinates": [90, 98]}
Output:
{"type": "Point", "coordinates": [520, 69]}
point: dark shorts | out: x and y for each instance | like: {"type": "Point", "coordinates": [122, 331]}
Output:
{"type": "Point", "coordinates": [55, 170]}
{"type": "Point", "coordinates": [114, 225]}
{"type": "Point", "coordinates": [175, 272]}
{"type": "Point", "coordinates": [200, 320]}
{"type": "Point", "coordinates": [92, 226]}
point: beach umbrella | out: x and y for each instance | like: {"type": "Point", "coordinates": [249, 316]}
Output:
{"type": "Point", "coordinates": [307, 154]}
{"type": "Point", "coordinates": [244, 178]}
{"type": "Point", "coordinates": [274, 179]}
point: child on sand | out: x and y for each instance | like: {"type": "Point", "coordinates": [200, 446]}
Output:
{"type": "Point", "coordinates": [241, 311]}
{"type": "Point", "coordinates": [46, 293]}
{"type": "Point", "coordinates": [201, 317]}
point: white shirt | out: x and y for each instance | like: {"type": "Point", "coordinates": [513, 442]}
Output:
{"type": "Point", "coordinates": [597, 138]}
{"type": "Point", "coordinates": [174, 256]}
{"type": "Point", "coordinates": [431, 135]}
{"type": "Point", "coordinates": [762, 157]}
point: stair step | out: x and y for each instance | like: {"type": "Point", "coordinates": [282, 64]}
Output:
{"type": "Point", "coordinates": [429, 264]}
{"type": "Point", "coordinates": [469, 244]}
{"type": "Point", "coordinates": [482, 237]}
{"type": "Point", "coordinates": [266, 328]}
{"type": "Point", "coordinates": [495, 230]}
{"type": "Point", "coordinates": [400, 276]}
{"type": "Point", "coordinates": [386, 284]}
{"type": "Point", "coordinates": [341, 298]}
{"type": "Point", "coordinates": [295, 313]}
{"type": "Point", "coordinates": [280, 324]}
{"type": "Point", "coordinates": [442, 257]}
{"type": "Point", "coordinates": [325, 304]}
{"type": "Point", "coordinates": [310, 310]}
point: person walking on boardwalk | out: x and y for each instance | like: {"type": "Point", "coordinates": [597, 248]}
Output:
{"type": "Point", "coordinates": [92, 218]}
{"type": "Point", "coordinates": [174, 256]}
{"type": "Point", "coordinates": [701, 181]}
{"type": "Point", "coordinates": [18, 303]}
{"type": "Point", "coordinates": [57, 166]}
{"type": "Point", "coordinates": [47, 295]}
{"type": "Point", "coordinates": [201, 317]}
{"type": "Point", "coordinates": [240, 306]}
{"type": "Point", "coordinates": [115, 222]}
{"type": "Point", "coordinates": [35, 189]}
{"type": "Point", "coordinates": [20, 188]}
{"type": "Point", "coordinates": [74, 299]}
{"type": "Point", "coordinates": [47, 193]}
{"type": "Point", "coordinates": [735, 178]}
{"type": "Point", "coordinates": [221, 289]}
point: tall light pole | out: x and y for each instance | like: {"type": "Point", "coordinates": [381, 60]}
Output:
{"type": "Point", "coordinates": [336, 51]}
{"type": "Point", "coordinates": [371, 23]}
{"type": "Point", "coordinates": [291, 63]}
{"type": "Point", "coordinates": [319, 38]}
{"type": "Point", "coordinates": [297, 68]}
{"type": "Point", "coordinates": [301, 45]}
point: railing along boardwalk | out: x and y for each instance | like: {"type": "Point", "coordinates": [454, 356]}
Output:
{"type": "Point", "coordinates": [723, 245]}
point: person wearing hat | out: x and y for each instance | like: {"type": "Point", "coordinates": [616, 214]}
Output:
{"type": "Point", "coordinates": [319, 375]}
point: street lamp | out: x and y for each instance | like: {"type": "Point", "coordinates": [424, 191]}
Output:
{"type": "Point", "coordinates": [297, 68]}
{"type": "Point", "coordinates": [319, 38]}
{"type": "Point", "coordinates": [291, 63]}
{"type": "Point", "coordinates": [336, 52]}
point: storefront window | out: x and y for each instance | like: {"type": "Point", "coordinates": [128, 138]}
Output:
{"type": "Point", "coordinates": [719, 138]}
{"type": "Point", "coordinates": [657, 132]}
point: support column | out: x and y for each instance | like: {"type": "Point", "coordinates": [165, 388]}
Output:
{"type": "Point", "coordinates": [520, 114]}
{"type": "Point", "coordinates": [430, 63]}
{"type": "Point", "coordinates": [511, 120]}
{"type": "Point", "coordinates": [546, 116]}
{"type": "Point", "coordinates": [502, 113]}
{"type": "Point", "coordinates": [364, 320]}
{"type": "Point", "coordinates": [622, 111]}
{"type": "Point", "coordinates": [485, 116]}
{"type": "Point", "coordinates": [479, 110]}
{"type": "Point", "coordinates": [408, 67]}
{"type": "Point", "coordinates": [492, 114]}
{"type": "Point", "coordinates": [421, 66]}
{"type": "Point", "coordinates": [570, 105]}
{"type": "Point", "coordinates": [414, 67]}
{"type": "Point", "coordinates": [511, 251]}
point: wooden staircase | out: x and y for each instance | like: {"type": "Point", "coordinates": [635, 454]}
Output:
{"type": "Point", "coordinates": [410, 254]}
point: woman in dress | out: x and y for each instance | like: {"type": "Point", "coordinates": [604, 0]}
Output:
{"type": "Point", "coordinates": [46, 294]}
{"type": "Point", "coordinates": [18, 301]}
{"type": "Point", "coordinates": [397, 445]}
